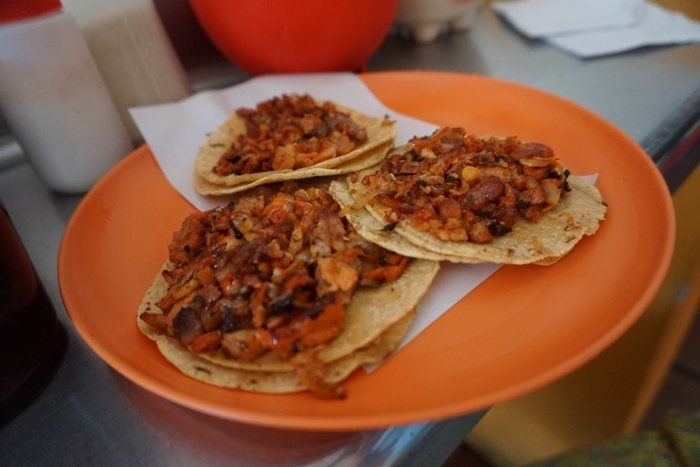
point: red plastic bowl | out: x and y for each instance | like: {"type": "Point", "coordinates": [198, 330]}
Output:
{"type": "Point", "coordinates": [285, 36]}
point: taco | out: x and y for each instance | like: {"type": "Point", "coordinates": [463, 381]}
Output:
{"type": "Point", "coordinates": [274, 382]}
{"type": "Point", "coordinates": [370, 158]}
{"type": "Point", "coordinates": [467, 199]}
{"type": "Point", "coordinates": [286, 138]}
{"type": "Point", "coordinates": [279, 283]}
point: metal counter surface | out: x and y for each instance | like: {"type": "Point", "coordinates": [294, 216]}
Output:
{"type": "Point", "coordinates": [89, 414]}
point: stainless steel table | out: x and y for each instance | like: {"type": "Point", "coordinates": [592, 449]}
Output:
{"type": "Point", "coordinates": [89, 414]}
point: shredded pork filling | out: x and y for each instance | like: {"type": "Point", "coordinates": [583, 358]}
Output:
{"type": "Point", "coordinates": [462, 188]}
{"type": "Point", "coordinates": [290, 132]}
{"type": "Point", "coordinates": [270, 271]}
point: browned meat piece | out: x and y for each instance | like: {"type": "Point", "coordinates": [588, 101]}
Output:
{"type": "Point", "coordinates": [488, 190]}
{"type": "Point", "coordinates": [530, 150]}
{"type": "Point", "coordinates": [506, 212]}
{"type": "Point", "coordinates": [187, 240]}
{"type": "Point", "coordinates": [187, 325]}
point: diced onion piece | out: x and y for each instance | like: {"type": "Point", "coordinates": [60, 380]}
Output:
{"type": "Point", "coordinates": [537, 162]}
{"type": "Point", "coordinates": [551, 190]}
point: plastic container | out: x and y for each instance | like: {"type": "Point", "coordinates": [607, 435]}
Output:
{"type": "Point", "coordinates": [54, 99]}
{"type": "Point", "coordinates": [133, 53]}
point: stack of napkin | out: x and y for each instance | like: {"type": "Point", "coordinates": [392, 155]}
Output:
{"type": "Point", "coordinates": [594, 28]}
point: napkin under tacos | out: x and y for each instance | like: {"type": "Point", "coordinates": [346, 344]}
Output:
{"type": "Point", "coordinates": [287, 138]}
{"type": "Point", "coordinates": [465, 199]}
{"type": "Point", "coordinates": [279, 284]}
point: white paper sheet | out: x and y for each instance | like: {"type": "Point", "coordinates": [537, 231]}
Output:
{"type": "Point", "coordinates": [657, 26]}
{"type": "Point", "coordinates": [544, 18]}
{"type": "Point", "coordinates": [594, 28]}
{"type": "Point", "coordinates": [175, 131]}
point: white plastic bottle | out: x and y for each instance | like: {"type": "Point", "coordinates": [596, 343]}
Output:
{"type": "Point", "coordinates": [133, 53]}
{"type": "Point", "coordinates": [54, 99]}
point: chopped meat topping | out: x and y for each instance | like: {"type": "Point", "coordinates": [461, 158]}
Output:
{"type": "Point", "coordinates": [268, 272]}
{"type": "Point", "coordinates": [462, 188]}
{"type": "Point", "coordinates": [290, 132]}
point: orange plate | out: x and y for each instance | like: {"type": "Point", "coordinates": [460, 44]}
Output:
{"type": "Point", "coordinates": [521, 329]}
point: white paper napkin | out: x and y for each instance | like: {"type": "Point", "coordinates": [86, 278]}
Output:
{"type": "Point", "coordinates": [594, 28]}
{"type": "Point", "coordinates": [657, 26]}
{"type": "Point", "coordinates": [543, 18]}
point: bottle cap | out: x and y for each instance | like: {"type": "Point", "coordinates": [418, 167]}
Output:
{"type": "Point", "coordinates": [14, 10]}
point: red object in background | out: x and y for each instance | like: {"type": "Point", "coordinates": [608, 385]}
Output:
{"type": "Point", "coordinates": [285, 36]}
{"type": "Point", "coordinates": [14, 10]}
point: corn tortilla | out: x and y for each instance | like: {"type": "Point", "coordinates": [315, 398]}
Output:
{"type": "Point", "coordinates": [276, 382]}
{"type": "Point", "coordinates": [370, 158]}
{"type": "Point", "coordinates": [379, 132]}
{"type": "Point", "coordinates": [370, 312]}
{"type": "Point", "coordinates": [579, 213]}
